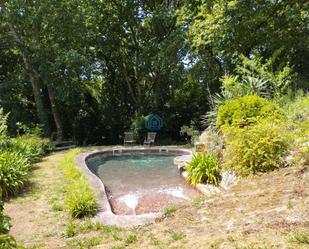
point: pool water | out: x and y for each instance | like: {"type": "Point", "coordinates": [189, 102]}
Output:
{"type": "Point", "coordinates": [141, 183]}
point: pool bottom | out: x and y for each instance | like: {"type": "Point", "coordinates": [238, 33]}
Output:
{"type": "Point", "coordinates": [141, 183]}
{"type": "Point", "coordinates": [105, 213]}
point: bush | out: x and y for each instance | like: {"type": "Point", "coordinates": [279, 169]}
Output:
{"type": "Point", "coordinates": [256, 148]}
{"type": "Point", "coordinates": [190, 132]}
{"type": "Point", "coordinates": [213, 141]}
{"type": "Point", "coordinates": [298, 111]}
{"type": "Point", "coordinates": [13, 172]}
{"type": "Point", "coordinates": [30, 147]}
{"type": "Point", "coordinates": [80, 200]}
{"type": "Point", "coordinates": [296, 107]}
{"type": "Point", "coordinates": [203, 168]}
{"type": "Point", "coordinates": [246, 110]}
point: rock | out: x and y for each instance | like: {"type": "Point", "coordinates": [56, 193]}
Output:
{"type": "Point", "coordinates": [207, 189]}
{"type": "Point", "coordinates": [209, 202]}
{"type": "Point", "coordinates": [180, 166]}
{"type": "Point", "coordinates": [185, 174]}
{"type": "Point", "coordinates": [228, 179]}
{"type": "Point", "coordinates": [182, 160]}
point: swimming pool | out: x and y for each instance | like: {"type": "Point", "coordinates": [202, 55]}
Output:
{"type": "Point", "coordinates": [140, 183]}
{"type": "Point", "coordinates": [134, 185]}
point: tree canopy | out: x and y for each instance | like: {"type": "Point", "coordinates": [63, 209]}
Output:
{"type": "Point", "coordinates": [88, 69]}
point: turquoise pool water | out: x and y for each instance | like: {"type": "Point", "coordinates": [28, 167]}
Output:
{"type": "Point", "coordinates": [141, 183]}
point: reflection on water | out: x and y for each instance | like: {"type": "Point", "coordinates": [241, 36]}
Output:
{"type": "Point", "coordinates": [138, 181]}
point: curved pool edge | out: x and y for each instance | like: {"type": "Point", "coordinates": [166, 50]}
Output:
{"type": "Point", "coordinates": [105, 214]}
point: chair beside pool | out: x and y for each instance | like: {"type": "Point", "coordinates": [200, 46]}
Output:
{"type": "Point", "coordinates": [129, 138]}
{"type": "Point", "coordinates": [150, 139]}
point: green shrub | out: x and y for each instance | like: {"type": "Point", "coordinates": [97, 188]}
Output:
{"type": "Point", "coordinates": [13, 172]}
{"type": "Point", "coordinates": [203, 168]}
{"type": "Point", "coordinates": [256, 148]}
{"type": "Point", "coordinates": [246, 110]}
{"type": "Point", "coordinates": [80, 200]}
{"type": "Point", "coordinates": [30, 147]}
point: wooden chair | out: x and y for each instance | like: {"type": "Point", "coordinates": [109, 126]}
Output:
{"type": "Point", "coordinates": [150, 139]}
{"type": "Point", "coordinates": [129, 138]}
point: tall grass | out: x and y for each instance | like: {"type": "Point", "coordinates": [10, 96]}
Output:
{"type": "Point", "coordinates": [80, 199]}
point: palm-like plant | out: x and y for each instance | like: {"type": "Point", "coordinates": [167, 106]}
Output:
{"type": "Point", "coordinates": [211, 116]}
{"type": "Point", "coordinates": [255, 86]}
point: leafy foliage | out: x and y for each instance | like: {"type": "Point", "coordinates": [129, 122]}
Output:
{"type": "Point", "coordinates": [203, 168]}
{"type": "Point", "coordinates": [13, 172]}
{"type": "Point", "coordinates": [16, 156]}
{"type": "Point", "coordinates": [246, 110]}
{"type": "Point", "coordinates": [229, 29]}
{"type": "Point", "coordinates": [80, 199]}
{"type": "Point", "coordinates": [190, 132]}
{"type": "Point", "coordinates": [138, 128]}
{"type": "Point", "coordinates": [296, 106]}
{"type": "Point", "coordinates": [81, 202]}
{"type": "Point", "coordinates": [255, 148]}
{"type": "Point", "coordinates": [3, 123]}
{"type": "Point", "coordinates": [213, 141]}
{"type": "Point", "coordinates": [30, 147]}
{"type": "Point", "coordinates": [109, 63]}
{"type": "Point", "coordinates": [8, 242]}
{"type": "Point", "coordinates": [261, 78]}
{"type": "Point", "coordinates": [4, 220]}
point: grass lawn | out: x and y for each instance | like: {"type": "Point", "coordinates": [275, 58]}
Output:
{"type": "Point", "coordinates": [267, 211]}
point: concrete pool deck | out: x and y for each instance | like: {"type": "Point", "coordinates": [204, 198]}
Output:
{"type": "Point", "coordinates": [105, 214]}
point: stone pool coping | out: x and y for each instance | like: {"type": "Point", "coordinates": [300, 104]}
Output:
{"type": "Point", "coordinates": [105, 214]}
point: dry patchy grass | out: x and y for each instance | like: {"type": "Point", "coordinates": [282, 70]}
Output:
{"type": "Point", "coordinates": [267, 211]}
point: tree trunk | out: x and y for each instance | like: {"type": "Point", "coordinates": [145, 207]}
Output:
{"type": "Point", "coordinates": [35, 82]}
{"type": "Point", "coordinates": [36, 89]}
{"type": "Point", "coordinates": [51, 95]}
{"type": "Point", "coordinates": [55, 112]}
